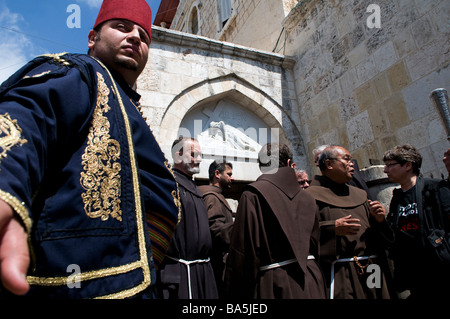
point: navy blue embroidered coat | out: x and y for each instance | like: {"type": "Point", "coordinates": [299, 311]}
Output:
{"type": "Point", "coordinates": [82, 169]}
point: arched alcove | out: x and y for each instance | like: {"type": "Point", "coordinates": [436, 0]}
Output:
{"type": "Point", "coordinates": [245, 107]}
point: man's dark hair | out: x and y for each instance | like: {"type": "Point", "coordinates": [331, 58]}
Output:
{"type": "Point", "coordinates": [403, 154]}
{"type": "Point", "coordinates": [221, 167]}
{"type": "Point", "coordinates": [274, 155]}
{"type": "Point", "coordinates": [328, 153]}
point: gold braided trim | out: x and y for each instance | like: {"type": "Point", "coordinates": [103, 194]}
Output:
{"type": "Point", "coordinates": [21, 211]}
{"type": "Point", "coordinates": [89, 275]}
{"type": "Point", "coordinates": [19, 208]}
{"type": "Point", "coordinates": [37, 75]}
{"type": "Point", "coordinates": [137, 198]}
{"type": "Point", "coordinates": [175, 194]}
{"type": "Point", "coordinates": [126, 293]}
{"type": "Point", "coordinates": [57, 57]}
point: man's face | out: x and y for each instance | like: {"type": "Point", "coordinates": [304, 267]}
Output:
{"type": "Point", "coordinates": [341, 166]}
{"type": "Point", "coordinates": [226, 178]}
{"type": "Point", "coordinates": [446, 160]}
{"type": "Point", "coordinates": [122, 46]}
{"type": "Point", "coordinates": [303, 181]}
{"type": "Point", "coordinates": [395, 171]}
{"type": "Point", "coordinates": [190, 159]}
{"type": "Point", "coordinates": [316, 158]}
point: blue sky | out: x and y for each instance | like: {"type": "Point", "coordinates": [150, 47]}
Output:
{"type": "Point", "coordinates": [32, 27]}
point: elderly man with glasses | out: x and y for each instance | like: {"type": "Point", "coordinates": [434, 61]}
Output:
{"type": "Point", "coordinates": [354, 231]}
{"type": "Point", "coordinates": [302, 178]}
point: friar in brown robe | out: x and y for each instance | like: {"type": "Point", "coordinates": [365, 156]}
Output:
{"type": "Point", "coordinates": [220, 216]}
{"type": "Point", "coordinates": [274, 244]}
{"type": "Point", "coordinates": [353, 231]}
{"type": "Point", "coordinates": [186, 271]}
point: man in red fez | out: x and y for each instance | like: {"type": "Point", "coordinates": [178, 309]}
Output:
{"type": "Point", "coordinates": [87, 202]}
{"type": "Point", "coordinates": [121, 37]}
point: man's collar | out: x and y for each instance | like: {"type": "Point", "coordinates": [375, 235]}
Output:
{"type": "Point", "coordinates": [219, 189]}
{"type": "Point", "coordinates": [183, 173]}
{"type": "Point", "coordinates": [284, 179]}
{"type": "Point", "coordinates": [124, 85]}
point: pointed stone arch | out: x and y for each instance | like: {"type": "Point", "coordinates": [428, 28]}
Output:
{"type": "Point", "coordinates": [243, 93]}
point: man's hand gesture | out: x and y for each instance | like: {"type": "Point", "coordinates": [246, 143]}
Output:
{"type": "Point", "coordinates": [14, 255]}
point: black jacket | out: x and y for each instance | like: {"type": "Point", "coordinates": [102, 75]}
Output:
{"type": "Point", "coordinates": [415, 265]}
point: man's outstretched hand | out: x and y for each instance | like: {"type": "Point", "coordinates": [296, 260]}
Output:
{"type": "Point", "coordinates": [14, 255]}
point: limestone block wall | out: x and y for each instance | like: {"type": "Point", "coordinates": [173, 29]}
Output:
{"type": "Point", "coordinates": [253, 23]}
{"type": "Point", "coordinates": [368, 88]}
{"type": "Point", "coordinates": [257, 23]}
{"type": "Point", "coordinates": [208, 17]}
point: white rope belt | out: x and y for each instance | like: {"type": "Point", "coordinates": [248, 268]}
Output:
{"type": "Point", "coordinates": [282, 263]}
{"type": "Point", "coordinates": [188, 264]}
{"type": "Point", "coordinates": [344, 260]}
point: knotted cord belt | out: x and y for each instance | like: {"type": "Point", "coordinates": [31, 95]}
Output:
{"type": "Point", "coordinates": [345, 260]}
{"type": "Point", "coordinates": [282, 263]}
{"type": "Point", "coordinates": [188, 264]}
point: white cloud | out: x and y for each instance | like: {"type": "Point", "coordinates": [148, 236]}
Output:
{"type": "Point", "coordinates": [15, 48]}
{"type": "Point", "coordinates": [92, 3]}
{"type": "Point", "coordinates": [11, 59]}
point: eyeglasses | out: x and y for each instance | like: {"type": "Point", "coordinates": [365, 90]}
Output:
{"type": "Point", "coordinates": [347, 159]}
{"type": "Point", "coordinates": [305, 181]}
{"type": "Point", "coordinates": [390, 164]}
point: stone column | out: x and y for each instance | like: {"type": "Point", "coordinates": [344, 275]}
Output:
{"type": "Point", "coordinates": [378, 183]}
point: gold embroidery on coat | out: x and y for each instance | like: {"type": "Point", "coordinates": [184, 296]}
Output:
{"type": "Point", "coordinates": [10, 135]}
{"type": "Point", "coordinates": [175, 193]}
{"type": "Point", "coordinates": [143, 262]}
{"type": "Point", "coordinates": [37, 75]}
{"type": "Point", "coordinates": [100, 177]}
{"type": "Point", "coordinates": [58, 57]}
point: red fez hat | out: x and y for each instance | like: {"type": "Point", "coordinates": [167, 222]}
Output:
{"type": "Point", "coordinates": [137, 11]}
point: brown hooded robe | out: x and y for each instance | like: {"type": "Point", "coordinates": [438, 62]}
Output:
{"type": "Point", "coordinates": [275, 221]}
{"type": "Point", "coordinates": [220, 218]}
{"type": "Point", "coordinates": [336, 201]}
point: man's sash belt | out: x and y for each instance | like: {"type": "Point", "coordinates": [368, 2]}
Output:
{"type": "Point", "coordinates": [345, 260]}
{"type": "Point", "coordinates": [188, 264]}
{"type": "Point", "coordinates": [282, 263]}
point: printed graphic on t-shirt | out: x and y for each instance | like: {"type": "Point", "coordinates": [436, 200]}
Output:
{"type": "Point", "coordinates": [408, 218]}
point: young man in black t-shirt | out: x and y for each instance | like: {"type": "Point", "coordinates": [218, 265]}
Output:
{"type": "Point", "coordinates": [415, 266]}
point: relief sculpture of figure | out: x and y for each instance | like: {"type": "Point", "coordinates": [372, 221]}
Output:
{"type": "Point", "coordinates": [219, 133]}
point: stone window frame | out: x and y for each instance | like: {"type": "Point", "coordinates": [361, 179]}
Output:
{"type": "Point", "coordinates": [195, 9]}
{"type": "Point", "coordinates": [222, 6]}
{"type": "Point", "coordinates": [221, 27]}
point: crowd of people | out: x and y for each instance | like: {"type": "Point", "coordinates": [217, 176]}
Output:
{"type": "Point", "coordinates": [83, 182]}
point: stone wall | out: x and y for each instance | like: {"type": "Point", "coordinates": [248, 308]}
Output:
{"type": "Point", "coordinates": [253, 23]}
{"type": "Point", "coordinates": [367, 88]}
{"type": "Point", "coordinates": [256, 23]}
{"type": "Point", "coordinates": [185, 71]}
{"type": "Point", "coordinates": [364, 88]}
